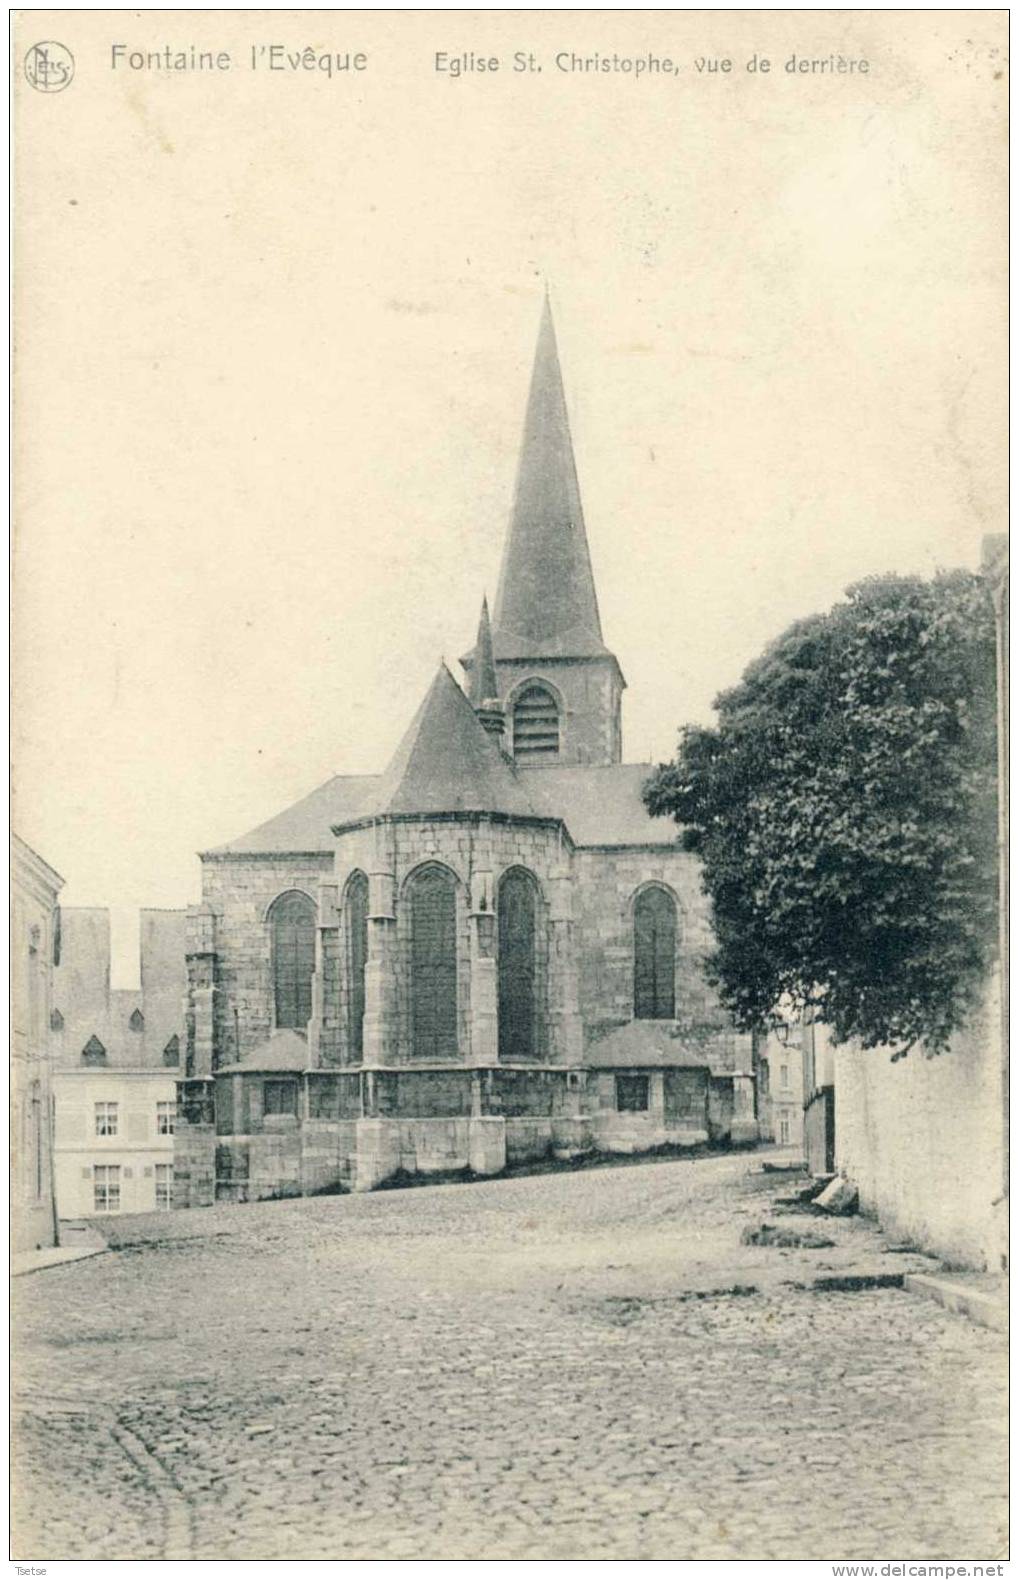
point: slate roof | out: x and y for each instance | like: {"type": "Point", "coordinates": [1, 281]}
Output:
{"type": "Point", "coordinates": [546, 603]}
{"type": "Point", "coordinates": [305, 827]}
{"type": "Point", "coordinates": [447, 762]}
{"type": "Point", "coordinates": [284, 1051]}
{"type": "Point", "coordinates": [600, 806]}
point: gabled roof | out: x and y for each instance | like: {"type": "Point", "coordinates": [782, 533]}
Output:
{"type": "Point", "coordinates": [447, 762]}
{"type": "Point", "coordinates": [306, 826]}
{"type": "Point", "coordinates": [546, 604]}
{"type": "Point", "coordinates": [601, 804]}
{"type": "Point", "coordinates": [285, 1051]}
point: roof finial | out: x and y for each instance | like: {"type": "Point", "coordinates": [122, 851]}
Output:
{"type": "Point", "coordinates": [484, 682]}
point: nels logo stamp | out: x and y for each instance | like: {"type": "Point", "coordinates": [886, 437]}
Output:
{"type": "Point", "coordinates": [49, 67]}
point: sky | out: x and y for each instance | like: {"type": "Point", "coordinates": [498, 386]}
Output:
{"type": "Point", "coordinates": [274, 340]}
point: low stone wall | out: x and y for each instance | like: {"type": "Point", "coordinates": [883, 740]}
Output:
{"type": "Point", "coordinates": [923, 1140]}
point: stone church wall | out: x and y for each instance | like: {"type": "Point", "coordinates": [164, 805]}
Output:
{"type": "Point", "coordinates": [607, 883]}
{"type": "Point", "coordinates": [240, 891]}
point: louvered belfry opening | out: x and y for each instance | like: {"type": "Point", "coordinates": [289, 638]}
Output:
{"type": "Point", "coordinates": [654, 956]}
{"type": "Point", "coordinates": [357, 960]}
{"type": "Point", "coordinates": [518, 966]}
{"type": "Point", "coordinates": [433, 964]}
{"type": "Point", "coordinates": [535, 724]}
{"type": "Point", "coordinates": [292, 919]}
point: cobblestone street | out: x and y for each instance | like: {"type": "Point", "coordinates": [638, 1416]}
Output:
{"type": "Point", "coordinates": [556, 1366]}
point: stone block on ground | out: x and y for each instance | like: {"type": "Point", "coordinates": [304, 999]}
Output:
{"type": "Point", "coordinates": [840, 1198]}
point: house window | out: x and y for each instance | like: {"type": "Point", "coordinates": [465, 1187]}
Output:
{"type": "Point", "coordinates": [166, 1113]}
{"type": "Point", "coordinates": [279, 1097]}
{"type": "Point", "coordinates": [433, 964]}
{"type": "Point", "coordinates": [171, 1053]}
{"type": "Point", "coordinates": [93, 1053]}
{"type": "Point", "coordinates": [783, 1076]}
{"type": "Point", "coordinates": [632, 1094]}
{"type": "Point", "coordinates": [518, 998]}
{"type": "Point", "coordinates": [292, 919]}
{"type": "Point", "coordinates": [783, 1129]}
{"type": "Point", "coordinates": [535, 724]}
{"type": "Point", "coordinates": [654, 955]}
{"type": "Point", "coordinates": [357, 960]}
{"type": "Point", "coordinates": [106, 1119]}
{"type": "Point", "coordinates": [106, 1187]}
{"type": "Point", "coordinates": [164, 1184]}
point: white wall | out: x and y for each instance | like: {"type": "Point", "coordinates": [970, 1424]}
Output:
{"type": "Point", "coordinates": [923, 1140]}
{"type": "Point", "coordinates": [136, 1148]}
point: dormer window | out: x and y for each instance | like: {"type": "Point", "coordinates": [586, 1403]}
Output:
{"type": "Point", "coordinates": [535, 725]}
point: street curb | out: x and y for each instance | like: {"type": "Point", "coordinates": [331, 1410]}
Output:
{"type": "Point", "coordinates": [53, 1256]}
{"type": "Point", "coordinates": [973, 1303]}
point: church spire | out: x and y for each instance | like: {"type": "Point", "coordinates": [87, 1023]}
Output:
{"type": "Point", "coordinates": [546, 604]}
{"type": "Point", "coordinates": [483, 682]}
{"type": "Point", "coordinates": [484, 687]}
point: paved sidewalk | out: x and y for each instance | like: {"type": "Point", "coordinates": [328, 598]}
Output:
{"type": "Point", "coordinates": [78, 1242]}
{"type": "Point", "coordinates": [560, 1366]}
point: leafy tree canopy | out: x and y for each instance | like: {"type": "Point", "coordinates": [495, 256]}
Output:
{"type": "Point", "coordinates": [844, 811]}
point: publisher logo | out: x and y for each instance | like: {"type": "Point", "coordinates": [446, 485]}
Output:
{"type": "Point", "coordinates": [49, 67]}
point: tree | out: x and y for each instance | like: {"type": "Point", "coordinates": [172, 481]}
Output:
{"type": "Point", "coordinates": [844, 811]}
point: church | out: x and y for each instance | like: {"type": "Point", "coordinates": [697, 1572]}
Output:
{"type": "Point", "coordinates": [486, 956]}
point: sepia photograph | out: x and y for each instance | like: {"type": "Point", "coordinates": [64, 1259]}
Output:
{"type": "Point", "coordinates": [509, 858]}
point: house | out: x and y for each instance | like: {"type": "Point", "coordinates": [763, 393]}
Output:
{"type": "Point", "coordinates": [116, 1056]}
{"type": "Point", "coordinates": [35, 945]}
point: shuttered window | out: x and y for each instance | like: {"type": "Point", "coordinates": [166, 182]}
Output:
{"type": "Point", "coordinates": [535, 724]}
{"type": "Point", "coordinates": [292, 919]}
{"type": "Point", "coordinates": [518, 1007]}
{"type": "Point", "coordinates": [433, 964]}
{"type": "Point", "coordinates": [357, 959]}
{"type": "Point", "coordinates": [654, 956]}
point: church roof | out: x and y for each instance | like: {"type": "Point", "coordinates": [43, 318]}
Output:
{"type": "Point", "coordinates": [284, 1051]}
{"type": "Point", "coordinates": [546, 604]}
{"type": "Point", "coordinates": [600, 806]}
{"type": "Point", "coordinates": [305, 827]}
{"type": "Point", "coordinates": [447, 762]}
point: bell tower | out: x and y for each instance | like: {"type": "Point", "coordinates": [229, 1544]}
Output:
{"type": "Point", "coordinates": [559, 685]}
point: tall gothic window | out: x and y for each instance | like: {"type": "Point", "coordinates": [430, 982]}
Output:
{"type": "Point", "coordinates": [535, 724]}
{"type": "Point", "coordinates": [357, 959]}
{"type": "Point", "coordinates": [654, 955]}
{"type": "Point", "coordinates": [292, 920]}
{"type": "Point", "coordinates": [433, 964]}
{"type": "Point", "coordinates": [518, 976]}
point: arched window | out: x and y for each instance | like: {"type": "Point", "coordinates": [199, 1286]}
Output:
{"type": "Point", "coordinates": [433, 964]}
{"type": "Point", "coordinates": [292, 919]}
{"type": "Point", "coordinates": [535, 724]}
{"type": "Point", "coordinates": [357, 959]}
{"type": "Point", "coordinates": [137, 1021]}
{"type": "Point", "coordinates": [518, 966]}
{"type": "Point", "coordinates": [654, 955]}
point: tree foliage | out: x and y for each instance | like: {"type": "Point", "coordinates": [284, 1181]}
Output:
{"type": "Point", "coordinates": [844, 811]}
